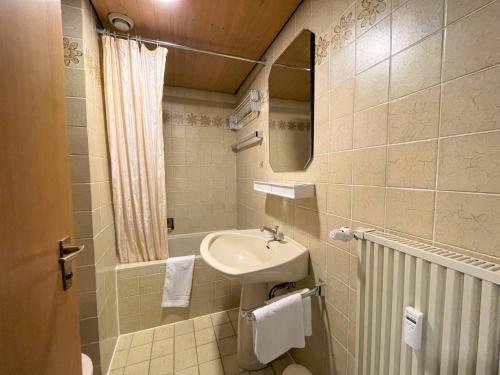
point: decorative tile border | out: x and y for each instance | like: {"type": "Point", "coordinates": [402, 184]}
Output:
{"type": "Point", "coordinates": [321, 49]}
{"type": "Point", "coordinates": [193, 119]}
{"type": "Point", "coordinates": [370, 11]}
{"type": "Point", "coordinates": [299, 125]}
{"type": "Point", "coordinates": [71, 52]}
{"type": "Point", "coordinates": [343, 31]}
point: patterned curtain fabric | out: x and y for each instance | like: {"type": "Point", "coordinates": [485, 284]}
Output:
{"type": "Point", "coordinates": [133, 88]}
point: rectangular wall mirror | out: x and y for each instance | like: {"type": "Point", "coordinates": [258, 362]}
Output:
{"type": "Point", "coordinates": [291, 112]}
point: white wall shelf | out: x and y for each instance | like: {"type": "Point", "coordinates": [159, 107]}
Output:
{"type": "Point", "coordinates": [288, 189]}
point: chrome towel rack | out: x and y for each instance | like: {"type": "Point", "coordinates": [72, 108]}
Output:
{"type": "Point", "coordinates": [318, 290]}
{"type": "Point", "coordinates": [253, 135]}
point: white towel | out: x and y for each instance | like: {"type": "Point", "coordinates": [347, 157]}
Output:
{"type": "Point", "coordinates": [178, 281]}
{"type": "Point", "coordinates": [278, 327]}
{"type": "Point", "coordinates": [306, 308]}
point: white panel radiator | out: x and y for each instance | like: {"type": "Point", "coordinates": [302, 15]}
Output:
{"type": "Point", "coordinates": [459, 295]}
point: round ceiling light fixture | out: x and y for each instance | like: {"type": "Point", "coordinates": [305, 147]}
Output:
{"type": "Point", "coordinates": [121, 22]}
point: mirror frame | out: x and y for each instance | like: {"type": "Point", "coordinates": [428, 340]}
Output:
{"type": "Point", "coordinates": [312, 64]}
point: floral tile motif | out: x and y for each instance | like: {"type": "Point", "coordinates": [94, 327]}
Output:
{"type": "Point", "coordinates": [321, 49]}
{"type": "Point", "coordinates": [343, 31]}
{"type": "Point", "coordinates": [192, 119]}
{"type": "Point", "coordinates": [299, 125]}
{"type": "Point", "coordinates": [370, 9]}
{"type": "Point", "coordinates": [71, 52]}
{"type": "Point", "coordinates": [264, 96]}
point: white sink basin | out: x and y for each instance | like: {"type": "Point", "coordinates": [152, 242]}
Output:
{"type": "Point", "coordinates": [243, 255]}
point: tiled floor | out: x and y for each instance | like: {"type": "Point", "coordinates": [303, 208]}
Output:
{"type": "Point", "coordinates": [201, 346]}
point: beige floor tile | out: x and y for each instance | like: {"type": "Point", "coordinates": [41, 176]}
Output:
{"type": "Point", "coordinates": [227, 346]}
{"type": "Point", "coordinates": [205, 336]}
{"type": "Point", "coordinates": [207, 352]}
{"type": "Point", "coordinates": [230, 364]}
{"type": "Point", "coordinates": [281, 363]}
{"type": "Point", "coordinates": [233, 314]}
{"type": "Point", "coordinates": [264, 371]}
{"type": "Point", "coordinates": [184, 342]}
{"type": "Point", "coordinates": [164, 332]}
{"type": "Point", "coordinates": [162, 348]}
{"type": "Point", "coordinates": [224, 330]}
{"type": "Point", "coordinates": [184, 359]}
{"type": "Point", "coordinates": [202, 322]}
{"type": "Point", "coordinates": [119, 359]}
{"type": "Point", "coordinates": [219, 318]}
{"type": "Point", "coordinates": [162, 365]}
{"type": "Point", "coordinates": [139, 354]}
{"type": "Point", "coordinates": [181, 328]}
{"type": "Point", "coordinates": [137, 369]}
{"type": "Point", "coordinates": [212, 368]}
{"type": "Point", "coordinates": [142, 337]}
{"type": "Point", "coordinates": [118, 371]}
{"type": "Point", "coordinates": [188, 371]}
{"type": "Point", "coordinates": [124, 342]}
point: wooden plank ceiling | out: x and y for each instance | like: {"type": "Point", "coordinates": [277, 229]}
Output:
{"type": "Point", "coordinates": [239, 27]}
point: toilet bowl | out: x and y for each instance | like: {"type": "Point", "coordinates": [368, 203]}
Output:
{"type": "Point", "coordinates": [295, 369]}
{"type": "Point", "coordinates": [87, 367]}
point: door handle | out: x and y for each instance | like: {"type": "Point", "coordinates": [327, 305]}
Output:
{"type": "Point", "coordinates": [68, 253]}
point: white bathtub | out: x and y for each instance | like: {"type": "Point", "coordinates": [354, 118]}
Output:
{"type": "Point", "coordinates": [185, 244]}
{"type": "Point", "coordinates": [140, 286]}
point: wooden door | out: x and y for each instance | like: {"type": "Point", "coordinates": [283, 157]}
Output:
{"type": "Point", "coordinates": [39, 324]}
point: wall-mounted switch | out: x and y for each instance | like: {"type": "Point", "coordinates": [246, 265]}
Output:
{"type": "Point", "coordinates": [413, 327]}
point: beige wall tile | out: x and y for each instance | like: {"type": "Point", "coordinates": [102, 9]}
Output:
{"type": "Point", "coordinates": [369, 166]}
{"type": "Point", "coordinates": [81, 197]}
{"type": "Point", "coordinates": [412, 165]}
{"type": "Point", "coordinates": [72, 21]}
{"type": "Point", "coordinates": [343, 99]}
{"type": "Point", "coordinates": [373, 46]}
{"type": "Point", "coordinates": [415, 20]}
{"type": "Point", "coordinates": [469, 43]}
{"type": "Point", "coordinates": [370, 127]}
{"type": "Point", "coordinates": [417, 67]}
{"type": "Point", "coordinates": [340, 167]}
{"type": "Point", "coordinates": [368, 205]}
{"type": "Point", "coordinates": [341, 134]}
{"type": "Point", "coordinates": [372, 86]}
{"type": "Point", "coordinates": [74, 82]}
{"type": "Point", "coordinates": [76, 112]}
{"type": "Point", "coordinates": [456, 9]}
{"type": "Point", "coordinates": [339, 200]}
{"type": "Point", "coordinates": [470, 163]}
{"type": "Point", "coordinates": [414, 117]}
{"type": "Point", "coordinates": [471, 103]}
{"type": "Point", "coordinates": [410, 211]}
{"type": "Point", "coordinates": [337, 266]}
{"type": "Point", "coordinates": [343, 64]}
{"type": "Point", "coordinates": [470, 221]}
{"type": "Point", "coordinates": [78, 143]}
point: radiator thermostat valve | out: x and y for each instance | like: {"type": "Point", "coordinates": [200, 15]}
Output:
{"type": "Point", "coordinates": [342, 234]}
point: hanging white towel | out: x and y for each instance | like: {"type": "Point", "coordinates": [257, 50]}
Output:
{"type": "Point", "coordinates": [178, 281]}
{"type": "Point", "coordinates": [306, 308]}
{"type": "Point", "coordinates": [278, 327]}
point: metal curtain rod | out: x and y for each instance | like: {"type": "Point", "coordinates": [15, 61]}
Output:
{"type": "Point", "coordinates": [178, 46]}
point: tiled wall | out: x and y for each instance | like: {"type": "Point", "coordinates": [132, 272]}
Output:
{"type": "Point", "coordinates": [407, 139]}
{"type": "Point", "coordinates": [140, 288]}
{"type": "Point", "coordinates": [200, 166]}
{"type": "Point", "coordinates": [93, 214]}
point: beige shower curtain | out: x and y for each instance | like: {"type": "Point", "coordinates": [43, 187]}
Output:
{"type": "Point", "coordinates": [133, 88]}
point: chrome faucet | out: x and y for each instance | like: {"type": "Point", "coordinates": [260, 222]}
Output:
{"type": "Point", "coordinates": [277, 235]}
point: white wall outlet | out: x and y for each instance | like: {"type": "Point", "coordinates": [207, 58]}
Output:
{"type": "Point", "coordinates": [413, 327]}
